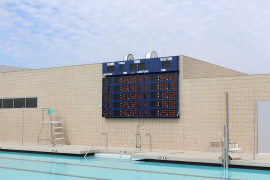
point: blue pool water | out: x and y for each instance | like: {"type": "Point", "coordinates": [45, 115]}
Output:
{"type": "Point", "coordinates": [22, 166]}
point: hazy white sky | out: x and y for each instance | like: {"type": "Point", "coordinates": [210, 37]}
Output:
{"type": "Point", "coordinates": [50, 33]}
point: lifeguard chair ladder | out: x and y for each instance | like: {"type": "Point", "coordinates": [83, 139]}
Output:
{"type": "Point", "coordinates": [57, 132]}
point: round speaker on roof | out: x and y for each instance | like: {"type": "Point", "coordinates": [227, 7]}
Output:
{"type": "Point", "coordinates": [151, 54]}
{"type": "Point", "coordinates": [128, 57]}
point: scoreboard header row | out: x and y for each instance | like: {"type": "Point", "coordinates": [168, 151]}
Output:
{"type": "Point", "coordinates": [141, 66]}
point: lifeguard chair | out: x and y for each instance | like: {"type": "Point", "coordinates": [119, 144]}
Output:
{"type": "Point", "coordinates": [56, 126]}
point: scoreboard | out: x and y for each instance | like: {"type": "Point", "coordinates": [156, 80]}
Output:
{"type": "Point", "coordinates": [134, 91]}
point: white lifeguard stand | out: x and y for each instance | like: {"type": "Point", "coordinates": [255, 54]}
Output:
{"type": "Point", "coordinates": [57, 132]}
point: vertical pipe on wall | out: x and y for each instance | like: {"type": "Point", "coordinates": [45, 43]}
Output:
{"type": "Point", "coordinates": [22, 124]}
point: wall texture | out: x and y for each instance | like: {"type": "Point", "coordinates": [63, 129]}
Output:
{"type": "Point", "coordinates": [193, 68]}
{"type": "Point", "coordinates": [203, 109]}
{"type": "Point", "coordinates": [76, 92]}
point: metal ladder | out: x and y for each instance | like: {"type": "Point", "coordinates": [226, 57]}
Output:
{"type": "Point", "coordinates": [57, 132]}
{"type": "Point", "coordinates": [138, 144]}
{"type": "Point", "coordinates": [97, 139]}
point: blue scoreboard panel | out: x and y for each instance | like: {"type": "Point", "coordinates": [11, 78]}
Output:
{"type": "Point", "coordinates": [141, 88]}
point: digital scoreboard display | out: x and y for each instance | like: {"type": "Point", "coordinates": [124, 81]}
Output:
{"type": "Point", "coordinates": [149, 95]}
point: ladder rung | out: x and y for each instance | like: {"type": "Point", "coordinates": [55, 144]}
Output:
{"type": "Point", "coordinates": [57, 122]}
{"type": "Point", "coordinates": [59, 133]}
{"type": "Point", "coordinates": [57, 139]}
{"type": "Point", "coordinates": [52, 122]}
{"type": "Point", "coordinates": [45, 139]}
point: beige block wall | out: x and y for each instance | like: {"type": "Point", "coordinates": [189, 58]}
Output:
{"type": "Point", "coordinates": [76, 92]}
{"type": "Point", "coordinates": [194, 68]}
{"type": "Point", "coordinates": [203, 109]}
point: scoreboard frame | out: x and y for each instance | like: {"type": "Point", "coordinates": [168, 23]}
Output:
{"type": "Point", "coordinates": [141, 95]}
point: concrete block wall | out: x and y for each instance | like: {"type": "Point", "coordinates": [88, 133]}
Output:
{"type": "Point", "coordinates": [76, 92]}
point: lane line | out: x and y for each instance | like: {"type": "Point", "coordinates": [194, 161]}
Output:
{"type": "Point", "coordinates": [60, 174]}
{"type": "Point", "coordinates": [122, 169]}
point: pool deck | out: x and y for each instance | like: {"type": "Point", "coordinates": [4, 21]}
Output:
{"type": "Point", "coordinates": [76, 150]}
{"type": "Point", "coordinates": [244, 160]}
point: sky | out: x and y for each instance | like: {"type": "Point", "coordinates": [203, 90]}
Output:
{"type": "Point", "coordinates": [50, 33]}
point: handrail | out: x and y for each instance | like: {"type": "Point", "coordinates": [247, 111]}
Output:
{"type": "Point", "coordinates": [129, 145]}
{"type": "Point", "coordinates": [150, 143]}
{"type": "Point", "coordinates": [98, 138]}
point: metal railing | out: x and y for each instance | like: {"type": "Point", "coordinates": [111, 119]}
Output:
{"type": "Point", "coordinates": [139, 145]}
{"type": "Point", "coordinates": [132, 139]}
{"type": "Point", "coordinates": [98, 138]}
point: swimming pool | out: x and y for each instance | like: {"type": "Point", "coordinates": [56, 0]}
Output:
{"type": "Point", "coordinates": [24, 166]}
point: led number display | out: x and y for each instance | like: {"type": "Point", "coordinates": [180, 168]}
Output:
{"type": "Point", "coordinates": [148, 95]}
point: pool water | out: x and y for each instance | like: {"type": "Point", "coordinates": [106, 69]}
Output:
{"type": "Point", "coordinates": [24, 166]}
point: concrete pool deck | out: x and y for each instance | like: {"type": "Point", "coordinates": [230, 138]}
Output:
{"type": "Point", "coordinates": [261, 160]}
{"type": "Point", "coordinates": [78, 150]}
{"type": "Point", "coordinates": [245, 160]}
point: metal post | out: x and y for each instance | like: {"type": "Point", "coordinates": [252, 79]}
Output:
{"type": "Point", "coordinates": [22, 124]}
{"type": "Point", "coordinates": [52, 130]}
{"type": "Point", "coordinates": [226, 138]}
{"type": "Point", "coordinates": [223, 147]}
{"type": "Point", "coordinates": [225, 154]}
{"type": "Point", "coordinates": [226, 149]}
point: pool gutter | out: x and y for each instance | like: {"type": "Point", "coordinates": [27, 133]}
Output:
{"type": "Point", "coordinates": [208, 164]}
